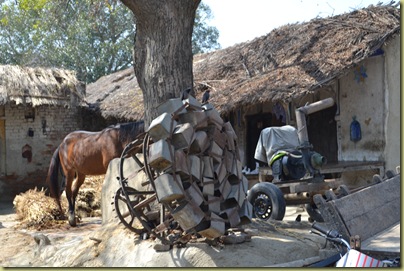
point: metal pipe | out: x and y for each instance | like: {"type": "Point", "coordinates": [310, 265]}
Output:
{"type": "Point", "coordinates": [317, 106]}
{"type": "Point", "coordinates": [301, 113]}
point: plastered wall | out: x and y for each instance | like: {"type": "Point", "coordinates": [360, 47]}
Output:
{"type": "Point", "coordinates": [29, 145]}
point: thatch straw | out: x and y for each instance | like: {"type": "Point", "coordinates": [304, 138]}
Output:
{"type": "Point", "coordinates": [288, 63]}
{"type": "Point", "coordinates": [38, 86]}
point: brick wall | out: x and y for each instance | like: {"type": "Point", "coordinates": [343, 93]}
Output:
{"type": "Point", "coordinates": [36, 139]}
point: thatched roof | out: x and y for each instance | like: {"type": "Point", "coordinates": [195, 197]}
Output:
{"type": "Point", "coordinates": [39, 86]}
{"type": "Point", "coordinates": [288, 63]}
{"type": "Point", "coordinates": [117, 95]}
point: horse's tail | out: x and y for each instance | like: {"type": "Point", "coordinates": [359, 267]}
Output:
{"type": "Point", "coordinates": [52, 180]}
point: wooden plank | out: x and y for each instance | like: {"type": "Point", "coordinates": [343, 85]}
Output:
{"type": "Point", "coordinates": [386, 242]}
{"type": "Point", "coordinates": [330, 216]}
{"type": "Point", "coordinates": [370, 223]}
{"type": "Point", "coordinates": [366, 212]}
{"type": "Point", "coordinates": [372, 209]}
{"type": "Point", "coordinates": [346, 166]}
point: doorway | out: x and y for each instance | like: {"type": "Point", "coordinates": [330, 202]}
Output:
{"type": "Point", "coordinates": [322, 132]}
{"type": "Point", "coordinates": [255, 124]}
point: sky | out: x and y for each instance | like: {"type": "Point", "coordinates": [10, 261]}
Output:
{"type": "Point", "coordinates": [243, 20]}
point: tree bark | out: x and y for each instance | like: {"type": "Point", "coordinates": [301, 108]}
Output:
{"type": "Point", "coordinates": [163, 49]}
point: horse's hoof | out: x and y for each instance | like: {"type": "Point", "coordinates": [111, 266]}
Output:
{"type": "Point", "coordinates": [72, 221]}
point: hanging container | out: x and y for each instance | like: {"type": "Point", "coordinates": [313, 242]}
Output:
{"type": "Point", "coordinates": [356, 133]}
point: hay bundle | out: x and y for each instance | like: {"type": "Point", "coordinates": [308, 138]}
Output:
{"type": "Point", "coordinates": [88, 203]}
{"type": "Point", "coordinates": [35, 209]}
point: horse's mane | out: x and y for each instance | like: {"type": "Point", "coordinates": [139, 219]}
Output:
{"type": "Point", "coordinates": [128, 131]}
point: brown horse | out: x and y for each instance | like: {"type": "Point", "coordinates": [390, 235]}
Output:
{"type": "Point", "coordinates": [84, 153]}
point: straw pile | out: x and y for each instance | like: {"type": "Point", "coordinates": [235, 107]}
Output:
{"type": "Point", "coordinates": [35, 209]}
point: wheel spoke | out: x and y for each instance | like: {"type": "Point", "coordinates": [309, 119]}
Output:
{"type": "Point", "coordinates": [131, 221]}
{"type": "Point", "coordinates": [136, 201]}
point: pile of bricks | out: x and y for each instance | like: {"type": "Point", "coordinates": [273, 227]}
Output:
{"type": "Point", "coordinates": [200, 176]}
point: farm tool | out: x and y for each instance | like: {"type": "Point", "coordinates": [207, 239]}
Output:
{"type": "Point", "coordinates": [193, 180]}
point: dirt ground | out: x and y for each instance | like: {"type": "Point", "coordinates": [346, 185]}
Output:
{"type": "Point", "coordinates": [274, 243]}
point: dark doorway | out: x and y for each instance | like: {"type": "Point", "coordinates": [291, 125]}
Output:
{"type": "Point", "coordinates": [322, 131]}
{"type": "Point", "coordinates": [255, 124]}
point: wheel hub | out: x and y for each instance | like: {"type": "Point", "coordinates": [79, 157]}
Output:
{"type": "Point", "coordinates": [262, 206]}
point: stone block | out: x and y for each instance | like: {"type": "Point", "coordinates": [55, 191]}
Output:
{"type": "Point", "coordinates": [187, 215]}
{"type": "Point", "coordinates": [182, 136]}
{"type": "Point", "coordinates": [181, 164]}
{"type": "Point", "coordinates": [208, 186]}
{"type": "Point", "coordinates": [217, 136]}
{"type": "Point", "coordinates": [220, 172]}
{"type": "Point", "coordinates": [168, 189]}
{"type": "Point", "coordinates": [208, 167]}
{"type": "Point", "coordinates": [198, 119]}
{"type": "Point", "coordinates": [229, 160]}
{"type": "Point", "coordinates": [214, 118]}
{"type": "Point", "coordinates": [229, 128]}
{"type": "Point", "coordinates": [194, 194]}
{"type": "Point", "coordinates": [196, 167]}
{"type": "Point", "coordinates": [237, 169]}
{"type": "Point", "coordinates": [160, 127]}
{"type": "Point", "coordinates": [215, 229]}
{"type": "Point", "coordinates": [171, 106]}
{"type": "Point", "coordinates": [200, 142]}
{"type": "Point", "coordinates": [216, 152]}
{"type": "Point", "coordinates": [160, 155]}
{"type": "Point", "coordinates": [245, 212]}
{"type": "Point", "coordinates": [214, 204]}
{"type": "Point", "coordinates": [192, 104]}
{"type": "Point", "coordinates": [232, 216]}
{"type": "Point", "coordinates": [241, 194]}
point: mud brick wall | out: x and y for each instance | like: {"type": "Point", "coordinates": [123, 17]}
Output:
{"type": "Point", "coordinates": [27, 144]}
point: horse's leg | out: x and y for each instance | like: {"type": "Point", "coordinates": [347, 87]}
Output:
{"type": "Point", "coordinates": [75, 190]}
{"type": "Point", "coordinates": [70, 198]}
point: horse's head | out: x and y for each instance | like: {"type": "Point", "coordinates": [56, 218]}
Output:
{"type": "Point", "coordinates": [129, 131]}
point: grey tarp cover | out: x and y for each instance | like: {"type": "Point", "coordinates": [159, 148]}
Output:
{"type": "Point", "coordinates": [273, 139]}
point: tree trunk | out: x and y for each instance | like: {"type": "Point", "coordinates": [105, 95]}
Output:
{"type": "Point", "coordinates": [163, 49]}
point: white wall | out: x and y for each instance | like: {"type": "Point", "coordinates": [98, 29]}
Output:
{"type": "Point", "coordinates": [393, 102]}
{"type": "Point", "coordinates": [365, 100]}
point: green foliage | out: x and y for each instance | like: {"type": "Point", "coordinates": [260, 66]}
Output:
{"type": "Point", "coordinates": [204, 37]}
{"type": "Point", "coordinates": [94, 38]}
{"type": "Point", "coordinates": [87, 36]}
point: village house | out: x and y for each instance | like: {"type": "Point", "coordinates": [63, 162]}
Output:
{"type": "Point", "coordinates": [353, 58]}
{"type": "Point", "coordinates": [38, 108]}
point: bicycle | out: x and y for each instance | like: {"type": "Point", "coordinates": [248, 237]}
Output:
{"type": "Point", "coordinates": [347, 256]}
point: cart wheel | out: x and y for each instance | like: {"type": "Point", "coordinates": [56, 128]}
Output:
{"type": "Point", "coordinates": [314, 212]}
{"type": "Point", "coordinates": [268, 201]}
{"type": "Point", "coordinates": [122, 209]}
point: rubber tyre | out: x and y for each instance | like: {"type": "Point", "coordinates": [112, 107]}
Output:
{"type": "Point", "coordinates": [313, 212]}
{"type": "Point", "coordinates": [268, 201]}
